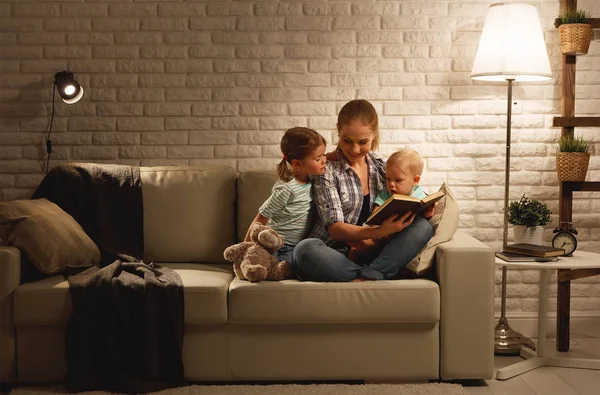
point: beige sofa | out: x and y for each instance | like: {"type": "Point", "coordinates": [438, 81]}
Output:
{"type": "Point", "coordinates": [288, 330]}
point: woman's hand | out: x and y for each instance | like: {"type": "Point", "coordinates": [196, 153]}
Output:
{"type": "Point", "coordinates": [332, 156]}
{"type": "Point", "coordinates": [394, 224]}
{"type": "Point", "coordinates": [430, 211]}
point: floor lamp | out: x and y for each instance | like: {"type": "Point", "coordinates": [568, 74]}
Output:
{"type": "Point", "coordinates": [511, 49]}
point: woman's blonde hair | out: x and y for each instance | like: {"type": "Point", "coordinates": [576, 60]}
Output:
{"type": "Point", "coordinates": [363, 111]}
{"type": "Point", "coordinates": [297, 143]}
{"type": "Point", "coordinates": [408, 159]}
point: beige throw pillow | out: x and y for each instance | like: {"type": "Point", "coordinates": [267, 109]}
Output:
{"type": "Point", "coordinates": [445, 223]}
{"type": "Point", "coordinates": [50, 237]}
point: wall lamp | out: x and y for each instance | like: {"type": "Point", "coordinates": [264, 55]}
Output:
{"type": "Point", "coordinates": [70, 92]}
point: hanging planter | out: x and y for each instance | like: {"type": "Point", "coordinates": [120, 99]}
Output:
{"type": "Point", "coordinates": [575, 33]}
{"type": "Point", "coordinates": [572, 158]}
{"type": "Point", "coordinates": [572, 166]}
{"type": "Point", "coordinates": [575, 38]}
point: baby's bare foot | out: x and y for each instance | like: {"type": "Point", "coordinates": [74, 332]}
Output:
{"type": "Point", "coordinates": [361, 279]}
{"type": "Point", "coordinates": [353, 255]}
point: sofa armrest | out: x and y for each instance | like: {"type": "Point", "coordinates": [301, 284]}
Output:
{"type": "Point", "coordinates": [10, 275]}
{"type": "Point", "coordinates": [465, 272]}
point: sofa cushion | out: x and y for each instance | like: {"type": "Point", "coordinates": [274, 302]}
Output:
{"type": "Point", "coordinates": [189, 213]}
{"type": "Point", "coordinates": [445, 223]}
{"type": "Point", "coordinates": [253, 188]}
{"type": "Point", "coordinates": [295, 302]}
{"type": "Point", "coordinates": [48, 301]}
{"type": "Point", "coordinates": [51, 238]}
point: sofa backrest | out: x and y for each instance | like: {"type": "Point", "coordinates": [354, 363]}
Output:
{"type": "Point", "coordinates": [253, 188]}
{"type": "Point", "coordinates": [189, 212]}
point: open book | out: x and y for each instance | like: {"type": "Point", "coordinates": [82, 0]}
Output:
{"type": "Point", "coordinates": [400, 204]}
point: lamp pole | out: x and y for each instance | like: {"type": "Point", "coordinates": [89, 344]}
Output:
{"type": "Point", "coordinates": [507, 340]}
{"type": "Point", "coordinates": [507, 167]}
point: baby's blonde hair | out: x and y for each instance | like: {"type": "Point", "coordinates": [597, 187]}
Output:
{"type": "Point", "coordinates": [408, 159]}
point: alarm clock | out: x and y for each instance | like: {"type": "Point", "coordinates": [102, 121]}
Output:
{"type": "Point", "coordinates": [565, 239]}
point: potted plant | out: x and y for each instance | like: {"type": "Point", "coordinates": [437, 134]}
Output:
{"type": "Point", "coordinates": [528, 216]}
{"type": "Point", "coordinates": [572, 158]}
{"type": "Point", "coordinates": [575, 32]}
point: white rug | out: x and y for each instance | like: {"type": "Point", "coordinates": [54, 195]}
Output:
{"type": "Point", "coordinates": [284, 389]}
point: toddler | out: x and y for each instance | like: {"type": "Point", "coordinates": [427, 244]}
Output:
{"type": "Point", "coordinates": [402, 175]}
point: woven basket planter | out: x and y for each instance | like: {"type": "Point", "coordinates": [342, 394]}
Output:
{"type": "Point", "coordinates": [575, 38]}
{"type": "Point", "coordinates": [572, 166]}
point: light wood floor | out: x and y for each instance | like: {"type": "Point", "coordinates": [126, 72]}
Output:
{"type": "Point", "coordinates": [547, 380]}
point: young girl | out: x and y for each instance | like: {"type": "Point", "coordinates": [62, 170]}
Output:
{"type": "Point", "coordinates": [287, 209]}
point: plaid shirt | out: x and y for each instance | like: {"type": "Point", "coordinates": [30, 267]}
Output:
{"type": "Point", "coordinates": [337, 194]}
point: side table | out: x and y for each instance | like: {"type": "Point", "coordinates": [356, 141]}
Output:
{"type": "Point", "coordinates": [579, 260]}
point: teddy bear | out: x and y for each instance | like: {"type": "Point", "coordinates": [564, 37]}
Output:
{"type": "Point", "coordinates": [254, 260]}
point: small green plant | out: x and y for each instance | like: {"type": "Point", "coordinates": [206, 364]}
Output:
{"type": "Point", "coordinates": [528, 212]}
{"type": "Point", "coordinates": [573, 15]}
{"type": "Point", "coordinates": [572, 144]}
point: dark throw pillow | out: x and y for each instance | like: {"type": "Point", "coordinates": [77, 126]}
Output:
{"type": "Point", "coordinates": [50, 237]}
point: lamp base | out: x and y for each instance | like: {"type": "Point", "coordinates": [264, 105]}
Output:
{"type": "Point", "coordinates": [508, 341]}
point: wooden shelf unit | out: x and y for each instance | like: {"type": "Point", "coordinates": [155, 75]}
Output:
{"type": "Point", "coordinates": [576, 121]}
{"type": "Point", "coordinates": [568, 121]}
{"type": "Point", "coordinates": [563, 300]}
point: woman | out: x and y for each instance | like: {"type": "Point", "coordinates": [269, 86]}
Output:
{"type": "Point", "coordinates": [344, 196]}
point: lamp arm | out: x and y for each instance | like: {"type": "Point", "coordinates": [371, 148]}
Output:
{"type": "Point", "coordinates": [48, 141]}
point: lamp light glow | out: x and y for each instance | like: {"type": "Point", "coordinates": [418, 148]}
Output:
{"type": "Point", "coordinates": [69, 90]}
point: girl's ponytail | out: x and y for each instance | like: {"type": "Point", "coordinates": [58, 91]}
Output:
{"type": "Point", "coordinates": [283, 171]}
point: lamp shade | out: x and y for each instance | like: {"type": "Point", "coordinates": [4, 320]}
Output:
{"type": "Point", "coordinates": [511, 45]}
{"type": "Point", "coordinates": [70, 91]}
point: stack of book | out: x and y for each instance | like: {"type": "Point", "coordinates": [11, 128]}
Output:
{"type": "Point", "coordinates": [524, 252]}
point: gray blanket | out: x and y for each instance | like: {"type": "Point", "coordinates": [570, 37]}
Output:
{"type": "Point", "coordinates": [126, 331]}
{"type": "Point", "coordinates": [105, 199]}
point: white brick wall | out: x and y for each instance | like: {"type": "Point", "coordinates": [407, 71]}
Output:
{"type": "Point", "coordinates": [201, 82]}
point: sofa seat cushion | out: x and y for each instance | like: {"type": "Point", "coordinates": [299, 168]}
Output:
{"type": "Point", "coordinates": [47, 302]}
{"type": "Point", "coordinates": [296, 302]}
